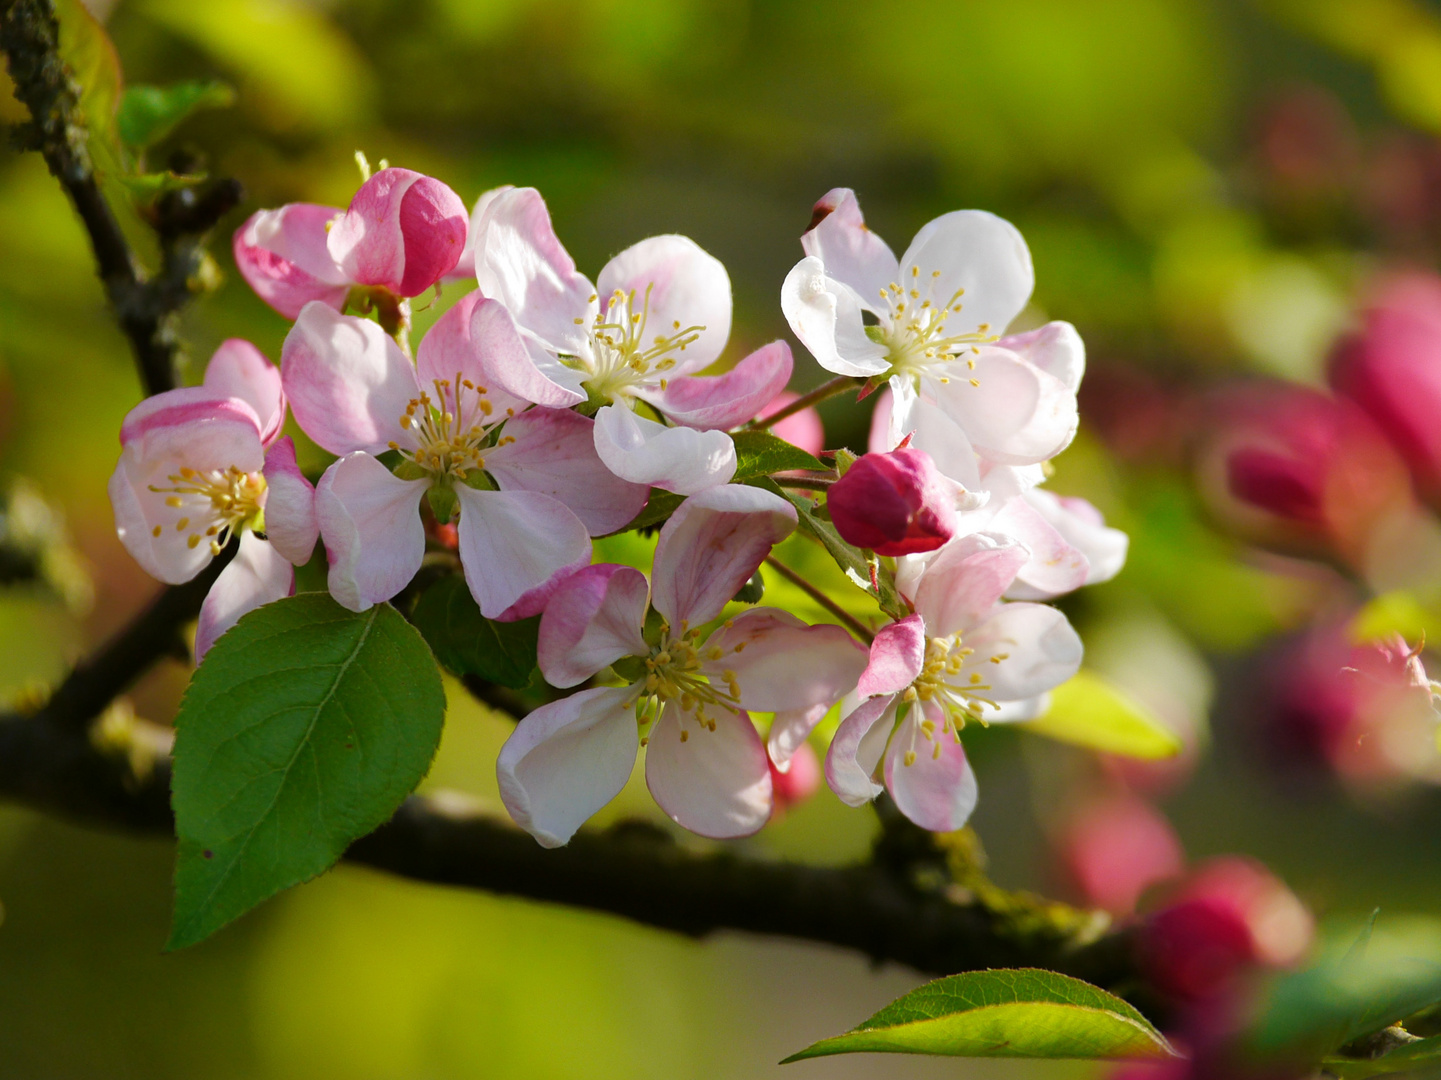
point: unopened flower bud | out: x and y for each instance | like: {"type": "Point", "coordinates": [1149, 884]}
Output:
{"type": "Point", "coordinates": [403, 231]}
{"type": "Point", "coordinates": [895, 503]}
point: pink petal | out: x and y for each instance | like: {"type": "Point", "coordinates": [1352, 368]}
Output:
{"type": "Point", "coordinates": [517, 546]}
{"type": "Point", "coordinates": [1041, 651]}
{"type": "Point", "coordinates": [282, 255]}
{"type": "Point", "coordinates": [449, 353]}
{"type": "Point", "coordinates": [520, 364]}
{"type": "Point", "coordinates": [240, 370]}
{"type": "Point", "coordinates": [554, 453]}
{"type": "Point", "coordinates": [465, 267]}
{"type": "Point", "coordinates": [937, 790]}
{"type": "Point", "coordinates": [403, 231]}
{"type": "Point", "coordinates": [675, 285]}
{"type": "Point", "coordinates": [896, 503]}
{"type": "Point", "coordinates": [711, 546]}
{"type": "Point", "coordinates": [896, 657]}
{"type": "Point", "coordinates": [256, 575]}
{"type": "Point", "coordinates": [789, 731]}
{"type": "Point", "coordinates": [290, 522]}
{"type": "Point", "coordinates": [803, 429]}
{"type": "Point", "coordinates": [723, 401]}
{"type": "Point", "coordinates": [186, 405]}
{"type": "Point", "coordinates": [1054, 566]}
{"type": "Point", "coordinates": [565, 761]}
{"type": "Point", "coordinates": [347, 381]}
{"type": "Point", "coordinates": [856, 750]}
{"type": "Point", "coordinates": [519, 262]}
{"type": "Point", "coordinates": [1056, 348]}
{"type": "Point", "coordinates": [1018, 415]}
{"type": "Point", "coordinates": [370, 521]}
{"type": "Point", "coordinates": [851, 252]}
{"type": "Point", "coordinates": [981, 253]}
{"type": "Point", "coordinates": [679, 459]}
{"type": "Point", "coordinates": [714, 783]}
{"type": "Point", "coordinates": [781, 663]}
{"type": "Point", "coordinates": [593, 619]}
{"type": "Point", "coordinates": [961, 584]}
{"type": "Point", "coordinates": [826, 316]}
{"type": "Point", "coordinates": [1082, 526]}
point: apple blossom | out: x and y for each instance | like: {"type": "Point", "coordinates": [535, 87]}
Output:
{"type": "Point", "coordinates": [705, 764]}
{"type": "Point", "coordinates": [402, 233]}
{"type": "Point", "coordinates": [202, 464]}
{"type": "Point", "coordinates": [964, 655]}
{"type": "Point", "coordinates": [527, 484]}
{"type": "Point", "coordinates": [659, 312]}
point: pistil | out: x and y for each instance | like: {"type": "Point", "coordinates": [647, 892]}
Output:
{"type": "Point", "coordinates": [621, 360]}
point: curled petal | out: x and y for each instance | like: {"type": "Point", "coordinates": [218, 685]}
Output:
{"type": "Point", "coordinates": [565, 761]}
{"type": "Point", "coordinates": [174, 410]}
{"type": "Point", "coordinates": [449, 353]}
{"type": "Point", "coordinates": [290, 522]}
{"type": "Point", "coordinates": [1082, 526]}
{"type": "Point", "coordinates": [1017, 415]}
{"type": "Point", "coordinates": [520, 262]}
{"type": "Point", "coordinates": [980, 253]}
{"type": "Point", "coordinates": [856, 750]}
{"type": "Point", "coordinates": [348, 382]}
{"type": "Point", "coordinates": [826, 316]}
{"type": "Point", "coordinates": [930, 778]}
{"type": "Point", "coordinates": [723, 401]}
{"type": "Point", "coordinates": [1039, 651]}
{"type": "Point", "coordinates": [896, 657]}
{"type": "Point", "coordinates": [593, 619]}
{"type": "Point", "coordinates": [714, 783]}
{"type": "Point", "coordinates": [370, 522]}
{"type": "Point", "coordinates": [675, 285]}
{"type": "Point", "coordinates": [960, 586]}
{"type": "Point", "coordinates": [711, 546]}
{"type": "Point", "coordinates": [553, 452]}
{"type": "Point", "coordinates": [789, 731]}
{"type": "Point", "coordinates": [851, 252]}
{"type": "Point", "coordinates": [782, 664]}
{"type": "Point", "coordinates": [520, 363]}
{"type": "Point", "coordinates": [679, 459]}
{"type": "Point", "coordinates": [403, 231]}
{"type": "Point", "coordinates": [256, 575]}
{"type": "Point", "coordinates": [240, 370]}
{"type": "Point", "coordinates": [1056, 348]}
{"type": "Point", "coordinates": [283, 256]}
{"type": "Point", "coordinates": [516, 547]}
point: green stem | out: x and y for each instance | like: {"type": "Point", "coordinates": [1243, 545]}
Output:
{"type": "Point", "coordinates": [853, 624]}
{"type": "Point", "coordinates": [839, 385]}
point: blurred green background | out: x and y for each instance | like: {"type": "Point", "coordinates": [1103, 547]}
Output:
{"type": "Point", "coordinates": [1204, 186]}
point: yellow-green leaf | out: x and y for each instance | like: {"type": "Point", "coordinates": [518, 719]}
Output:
{"type": "Point", "coordinates": [1088, 711]}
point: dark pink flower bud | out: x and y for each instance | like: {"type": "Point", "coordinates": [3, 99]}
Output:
{"type": "Point", "coordinates": [1118, 847]}
{"type": "Point", "coordinates": [896, 503]}
{"type": "Point", "coordinates": [799, 782]}
{"type": "Point", "coordinates": [403, 231]}
{"type": "Point", "coordinates": [1392, 369]}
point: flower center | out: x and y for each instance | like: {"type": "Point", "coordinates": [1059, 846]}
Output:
{"type": "Point", "coordinates": [916, 336]}
{"type": "Point", "coordinates": [621, 360]}
{"type": "Point", "coordinates": [674, 671]}
{"type": "Point", "coordinates": [950, 677]}
{"type": "Point", "coordinates": [213, 503]}
{"type": "Point", "coordinates": [451, 429]}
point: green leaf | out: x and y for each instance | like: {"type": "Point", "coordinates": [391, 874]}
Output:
{"type": "Point", "coordinates": [304, 729]}
{"type": "Point", "coordinates": [1021, 1013]}
{"type": "Point", "coordinates": [759, 453]}
{"type": "Point", "coordinates": [1088, 711]}
{"type": "Point", "coordinates": [657, 509]}
{"type": "Point", "coordinates": [1352, 993]}
{"type": "Point", "coordinates": [856, 564]}
{"type": "Point", "coordinates": [1412, 1056]}
{"type": "Point", "coordinates": [467, 643]}
{"type": "Point", "coordinates": [149, 113]}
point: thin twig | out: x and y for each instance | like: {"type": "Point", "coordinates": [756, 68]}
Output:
{"type": "Point", "coordinates": [806, 483]}
{"type": "Point", "coordinates": [860, 629]}
{"type": "Point", "coordinates": [839, 385]}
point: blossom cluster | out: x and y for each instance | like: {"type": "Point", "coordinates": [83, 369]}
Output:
{"type": "Point", "coordinates": [542, 410]}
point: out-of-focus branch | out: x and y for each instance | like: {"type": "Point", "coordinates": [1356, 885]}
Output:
{"type": "Point", "coordinates": [144, 306]}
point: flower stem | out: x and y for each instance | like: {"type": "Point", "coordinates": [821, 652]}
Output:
{"type": "Point", "coordinates": [853, 624]}
{"type": "Point", "coordinates": [805, 483]}
{"type": "Point", "coordinates": [839, 385]}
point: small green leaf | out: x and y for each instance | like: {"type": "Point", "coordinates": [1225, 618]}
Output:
{"type": "Point", "coordinates": [304, 729]}
{"type": "Point", "coordinates": [1088, 711]}
{"type": "Point", "coordinates": [149, 113]}
{"type": "Point", "coordinates": [147, 187]}
{"type": "Point", "coordinates": [1413, 1056]}
{"type": "Point", "coordinates": [1021, 1013]}
{"type": "Point", "coordinates": [657, 509]}
{"type": "Point", "coordinates": [759, 453]}
{"type": "Point", "coordinates": [467, 643]}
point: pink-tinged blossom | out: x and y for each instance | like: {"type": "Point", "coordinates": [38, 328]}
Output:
{"type": "Point", "coordinates": [692, 687]}
{"type": "Point", "coordinates": [964, 655]}
{"type": "Point", "coordinates": [659, 312]}
{"type": "Point", "coordinates": [896, 503]}
{"type": "Point", "coordinates": [201, 464]}
{"type": "Point", "coordinates": [403, 232]}
{"type": "Point", "coordinates": [938, 314]}
{"type": "Point", "coordinates": [527, 484]}
{"type": "Point", "coordinates": [801, 779]}
{"type": "Point", "coordinates": [1116, 847]}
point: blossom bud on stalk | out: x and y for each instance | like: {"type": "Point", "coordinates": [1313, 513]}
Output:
{"type": "Point", "coordinates": [895, 503]}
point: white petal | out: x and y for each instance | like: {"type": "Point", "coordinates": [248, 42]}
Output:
{"type": "Point", "coordinates": [937, 790]}
{"type": "Point", "coordinates": [1039, 650]}
{"type": "Point", "coordinates": [981, 253]}
{"type": "Point", "coordinates": [789, 731]}
{"type": "Point", "coordinates": [594, 617]}
{"type": "Point", "coordinates": [674, 281]}
{"type": "Point", "coordinates": [370, 522]}
{"type": "Point", "coordinates": [678, 459]}
{"type": "Point", "coordinates": [851, 252]}
{"type": "Point", "coordinates": [826, 316]}
{"type": "Point", "coordinates": [256, 575]}
{"type": "Point", "coordinates": [714, 783]}
{"type": "Point", "coordinates": [780, 663]}
{"type": "Point", "coordinates": [515, 546]}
